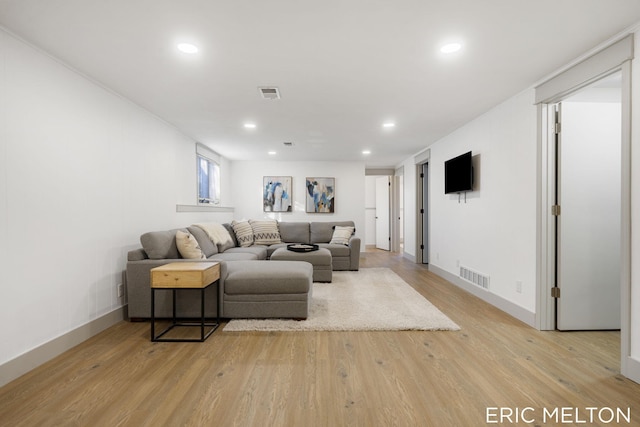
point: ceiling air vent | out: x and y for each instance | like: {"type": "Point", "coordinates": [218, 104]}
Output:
{"type": "Point", "coordinates": [269, 92]}
{"type": "Point", "coordinates": [287, 144]}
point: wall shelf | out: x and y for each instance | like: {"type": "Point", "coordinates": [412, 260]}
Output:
{"type": "Point", "coordinates": [203, 208]}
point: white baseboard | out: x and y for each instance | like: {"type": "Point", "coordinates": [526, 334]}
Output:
{"type": "Point", "coordinates": [507, 306]}
{"type": "Point", "coordinates": [409, 257]}
{"type": "Point", "coordinates": [632, 369]}
{"type": "Point", "coordinates": [22, 364]}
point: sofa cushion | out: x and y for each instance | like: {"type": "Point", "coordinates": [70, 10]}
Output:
{"type": "Point", "coordinates": [188, 246]}
{"type": "Point", "coordinates": [265, 232]}
{"type": "Point", "coordinates": [321, 232]}
{"type": "Point", "coordinates": [341, 235]}
{"type": "Point", "coordinates": [206, 245]}
{"type": "Point", "coordinates": [161, 244]}
{"type": "Point", "coordinates": [337, 251]}
{"type": "Point", "coordinates": [294, 232]}
{"type": "Point", "coordinates": [234, 256]}
{"type": "Point", "coordinates": [244, 233]}
{"type": "Point", "coordinates": [268, 277]}
{"type": "Point", "coordinates": [258, 250]}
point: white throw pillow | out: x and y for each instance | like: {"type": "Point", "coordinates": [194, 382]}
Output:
{"type": "Point", "coordinates": [244, 233]}
{"type": "Point", "coordinates": [341, 235]}
{"type": "Point", "coordinates": [188, 246]}
{"type": "Point", "coordinates": [265, 232]}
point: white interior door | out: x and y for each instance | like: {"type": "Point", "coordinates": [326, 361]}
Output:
{"type": "Point", "coordinates": [589, 194]}
{"type": "Point", "coordinates": [383, 235]}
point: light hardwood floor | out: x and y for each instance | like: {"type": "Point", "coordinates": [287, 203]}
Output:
{"type": "Point", "coordinates": [408, 378]}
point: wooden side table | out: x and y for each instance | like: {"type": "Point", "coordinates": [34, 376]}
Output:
{"type": "Point", "coordinates": [184, 275]}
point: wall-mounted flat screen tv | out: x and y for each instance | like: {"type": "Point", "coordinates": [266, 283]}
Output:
{"type": "Point", "coordinates": [458, 174]}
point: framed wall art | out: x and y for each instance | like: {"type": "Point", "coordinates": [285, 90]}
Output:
{"type": "Point", "coordinates": [276, 194]}
{"type": "Point", "coordinates": [320, 195]}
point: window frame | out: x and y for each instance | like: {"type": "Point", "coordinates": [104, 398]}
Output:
{"type": "Point", "coordinates": [212, 159]}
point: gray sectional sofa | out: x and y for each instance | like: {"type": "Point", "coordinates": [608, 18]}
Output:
{"type": "Point", "coordinates": [159, 248]}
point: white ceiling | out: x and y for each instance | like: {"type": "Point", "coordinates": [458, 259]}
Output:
{"type": "Point", "coordinates": [343, 66]}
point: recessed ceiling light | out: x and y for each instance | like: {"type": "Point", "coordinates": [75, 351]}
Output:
{"type": "Point", "coordinates": [451, 48]}
{"type": "Point", "coordinates": [366, 151]}
{"type": "Point", "coordinates": [187, 48]}
{"type": "Point", "coordinates": [272, 153]}
{"type": "Point", "coordinates": [250, 125]}
{"type": "Point", "coordinates": [388, 125]}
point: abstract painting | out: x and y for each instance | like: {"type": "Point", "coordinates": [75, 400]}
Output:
{"type": "Point", "coordinates": [321, 195]}
{"type": "Point", "coordinates": [276, 194]}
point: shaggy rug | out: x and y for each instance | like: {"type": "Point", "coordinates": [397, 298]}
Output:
{"type": "Point", "coordinates": [372, 299]}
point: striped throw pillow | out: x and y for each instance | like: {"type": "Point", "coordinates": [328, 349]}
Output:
{"type": "Point", "coordinates": [265, 232]}
{"type": "Point", "coordinates": [244, 233]}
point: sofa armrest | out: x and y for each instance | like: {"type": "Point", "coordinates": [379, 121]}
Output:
{"type": "Point", "coordinates": [354, 252]}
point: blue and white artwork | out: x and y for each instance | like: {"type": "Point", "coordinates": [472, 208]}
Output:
{"type": "Point", "coordinates": [276, 194]}
{"type": "Point", "coordinates": [321, 195]}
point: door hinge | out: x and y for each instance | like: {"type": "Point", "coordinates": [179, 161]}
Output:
{"type": "Point", "coordinates": [421, 175]}
{"type": "Point", "coordinates": [555, 292]}
{"type": "Point", "coordinates": [558, 128]}
{"type": "Point", "coordinates": [421, 211]}
{"type": "Point", "coordinates": [421, 246]}
{"type": "Point", "coordinates": [555, 210]}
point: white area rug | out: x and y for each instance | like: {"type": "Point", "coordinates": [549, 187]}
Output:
{"type": "Point", "coordinates": [372, 299]}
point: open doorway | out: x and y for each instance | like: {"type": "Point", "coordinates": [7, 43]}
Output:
{"type": "Point", "coordinates": [614, 58]}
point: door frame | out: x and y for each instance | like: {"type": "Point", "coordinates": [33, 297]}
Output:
{"type": "Point", "coordinates": [545, 304]}
{"type": "Point", "coordinates": [421, 246]}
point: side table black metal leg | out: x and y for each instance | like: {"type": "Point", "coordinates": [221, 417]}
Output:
{"type": "Point", "coordinates": [202, 314]}
{"type": "Point", "coordinates": [174, 307]}
{"type": "Point", "coordinates": [153, 314]}
{"type": "Point", "coordinates": [217, 283]}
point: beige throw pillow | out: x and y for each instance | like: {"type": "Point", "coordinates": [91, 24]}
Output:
{"type": "Point", "coordinates": [341, 235]}
{"type": "Point", "coordinates": [188, 246]}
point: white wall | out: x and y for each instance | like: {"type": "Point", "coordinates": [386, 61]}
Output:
{"type": "Point", "coordinates": [494, 232]}
{"type": "Point", "coordinates": [247, 179]}
{"type": "Point", "coordinates": [83, 173]}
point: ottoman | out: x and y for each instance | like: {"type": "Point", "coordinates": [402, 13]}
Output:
{"type": "Point", "coordinates": [320, 260]}
{"type": "Point", "coordinates": [265, 289]}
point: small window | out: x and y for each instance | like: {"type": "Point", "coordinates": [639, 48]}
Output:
{"type": "Point", "coordinates": [208, 174]}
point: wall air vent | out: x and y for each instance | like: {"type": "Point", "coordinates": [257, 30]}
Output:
{"type": "Point", "coordinates": [288, 144]}
{"type": "Point", "coordinates": [474, 277]}
{"type": "Point", "coordinates": [270, 92]}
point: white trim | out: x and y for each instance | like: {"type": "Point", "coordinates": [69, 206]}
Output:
{"type": "Point", "coordinates": [585, 72]}
{"type": "Point", "coordinates": [207, 152]}
{"type": "Point", "coordinates": [24, 363]}
{"type": "Point", "coordinates": [497, 301]}
{"type": "Point", "coordinates": [422, 157]}
{"type": "Point", "coordinates": [625, 220]}
{"type": "Point", "coordinates": [408, 256]}
{"type": "Point", "coordinates": [545, 248]}
{"type": "Point", "coordinates": [633, 369]}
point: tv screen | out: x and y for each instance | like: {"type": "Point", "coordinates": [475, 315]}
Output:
{"type": "Point", "coordinates": [458, 174]}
